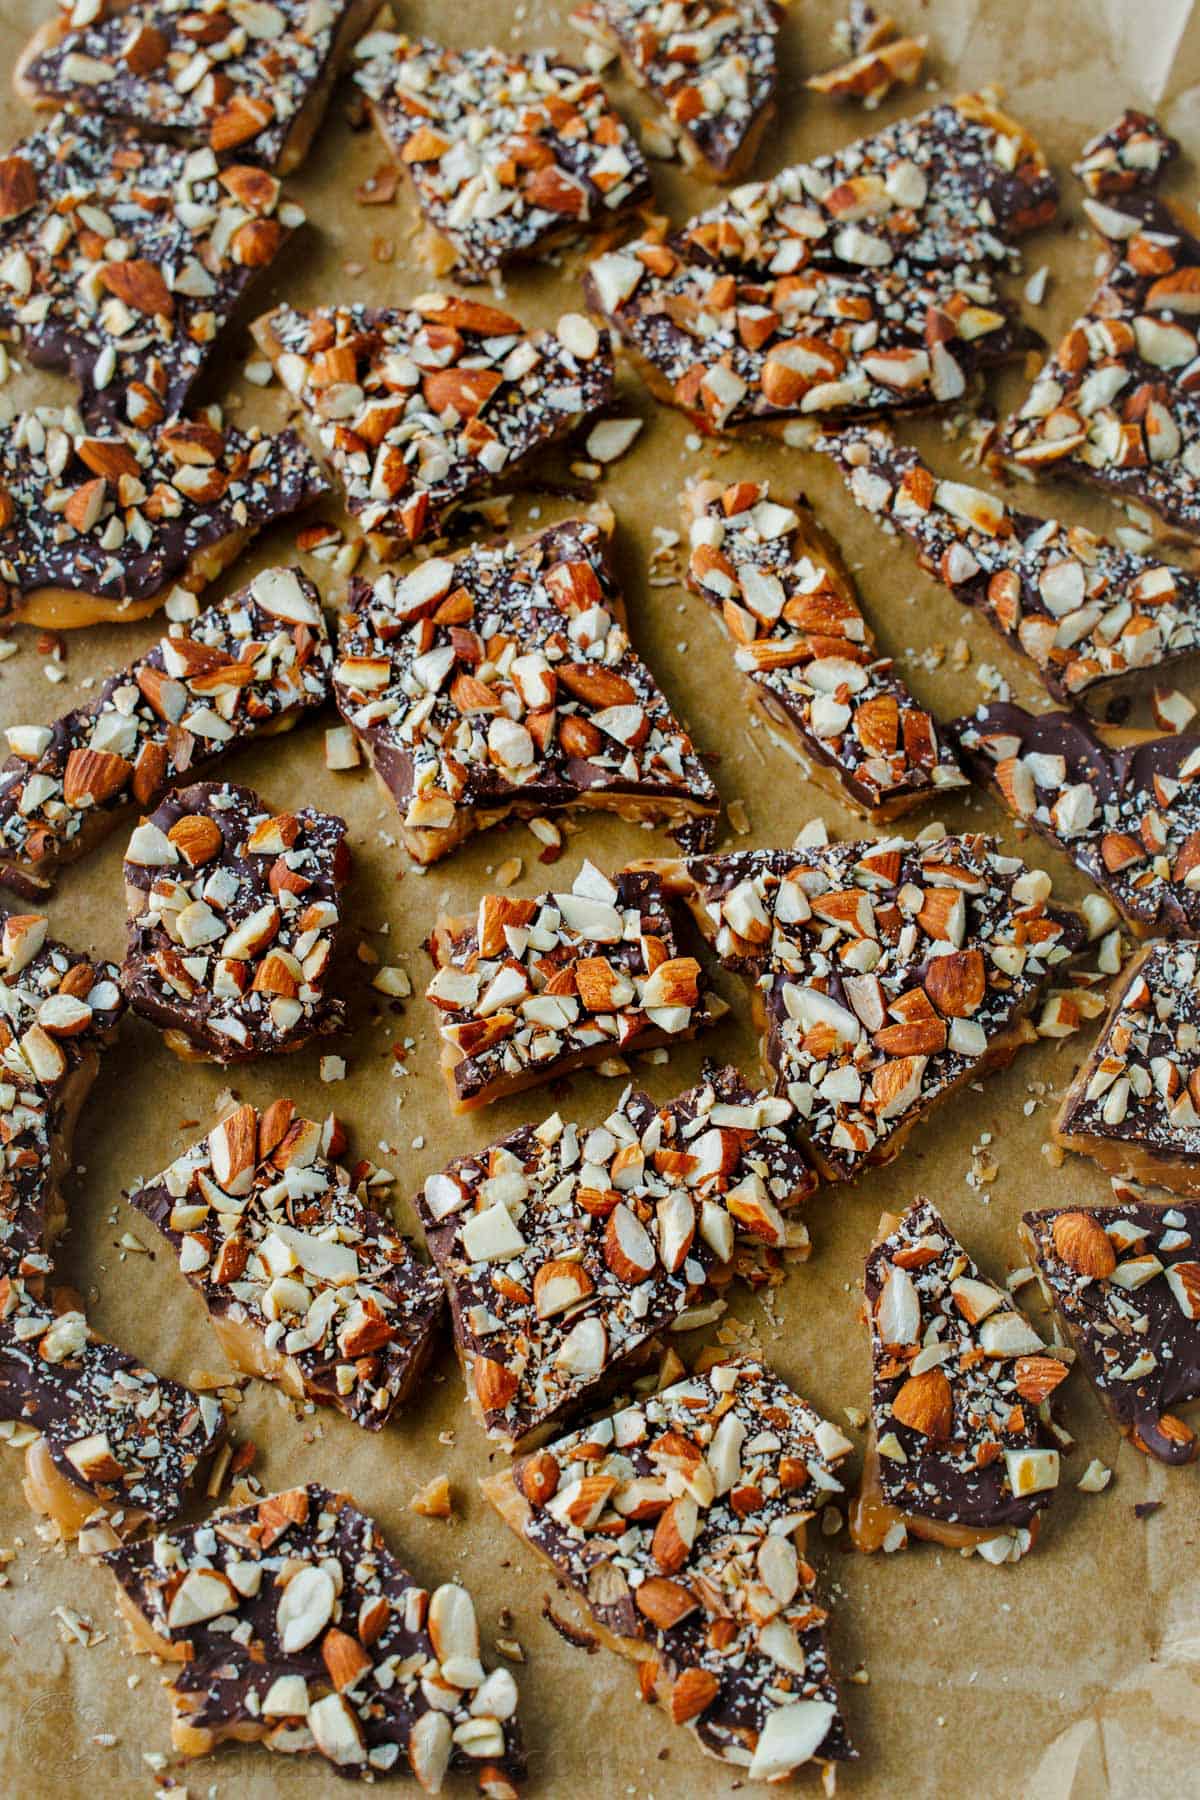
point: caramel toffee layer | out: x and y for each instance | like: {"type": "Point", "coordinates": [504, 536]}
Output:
{"type": "Point", "coordinates": [1126, 1282]}
{"type": "Point", "coordinates": [710, 65]}
{"type": "Point", "coordinates": [1082, 609]}
{"type": "Point", "coordinates": [235, 923]}
{"type": "Point", "coordinates": [502, 681]}
{"type": "Point", "coordinates": [1129, 818]}
{"type": "Point", "coordinates": [565, 1251]}
{"type": "Point", "coordinates": [788, 604]}
{"type": "Point", "coordinates": [887, 974]}
{"type": "Point", "coordinates": [529, 989]}
{"type": "Point", "coordinates": [305, 1284]}
{"type": "Point", "coordinates": [959, 1380]}
{"type": "Point", "coordinates": [254, 663]}
{"type": "Point", "coordinates": [122, 259]}
{"type": "Point", "coordinates": [289, 1621]}
{"type": "Point", "coordinates": [1133, 152]}
{"type": "Point", "coordinates": [58, 1009]}
{"type": "Point", "coordinates": [506, 152]}
{"type": "Point", "coordinates": [419, 410]}
{"type": "Point", "coordinates": [860, 283]}
{"type": "Point", "coordinates": [680, 1521]}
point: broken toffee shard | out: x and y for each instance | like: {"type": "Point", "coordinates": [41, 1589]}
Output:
{"type": "Point", "coordinates": [251, 665]}
{"type": "Point", "coordinates": [1082, 609]}
{"type": "Point", "coordinates": [290, 1623]}
{"type": "Point", "coordinates": [501, 683]}
{"type": "Point", "coordinates": [304, 1284]}
{"type": "Point", "coordinates": [787, 602]}
{"type": "Point", "coordinates": [58, 1010]}
{"type": "Point", "coordinates": [134, 331]}
{"type": "Point", "coordinates": [250, 80]}
{"type": "Point", "coordinates": [529, 990]}
{"type": "Point", "coordinates": [566, 1251]}
{"type": "Point", "coordinates": [680, 1522]}
{"type": "Point", "coordinates": [509, 153]}
{"type": "Point", "coordinates": [886, 975]}
{"type": "Point", "coordinates": [236, 935]}
{"type": "Point", "coordinates": [858, 284]}
{"type": "Point", "coordinates": [1127, 815]}
{"type": "Point", "coordinates": [421, 410]}
{"type": "Point", "coordinates": [1125, 1281]}
{"type": "Point", "coordinates": [709, 65]}
{"type": "Point", "coordinates": [961, 1450]}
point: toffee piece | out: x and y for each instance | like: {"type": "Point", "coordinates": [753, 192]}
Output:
{"type": "Point", "coordinates": [116, 1446]}
{"type": "Point", "coordinates": [567, 1251]}
{"type": "Point", "coordinates": [527, 991]}
{"type": "Point", "coordinates": [1132, 152]}
{"type": "Point", "coordinates": [509, 153]}
{"type": "Point", "coordinates": [680, 1522]}
{"type": "Point", "coordinates": [1081, 608]}
{"type": "Point", "coordinates": [710, 66]}
{"type": "Point", "coordinates": [236, 935]}
{"type": "Point", "coordinates": [101, 523]}
{"type": "Point", "coordinates": [877, 60]}
{"type": "Point", "coordinates": [251, 79]}
{"type": "Point", "coordinates": [134, 329]}
{"type": "Point", "coordinates": [290, 1623]}
{"type": "Point", "coordinates": [502, 683]}
{"type": "Point", "coordinates": [1125, 1281]}
{"type": "Point", "coordinates": [421, 410]}
{"type": "Point", "coordinates": [787, 601]}
{"type": "Point", "coordinates": [885, 975]}
{"type": "Point", "coordinates": [252, 665]}
{"type": "Point", "coordinates": [58, 1011]}
{"type": "Point", "coordinates": [304, 1283]}
{"type": "Point", "coordinates": [1127, 816]}
{"type": "Point", "coordinates": [861, 283]}
{"type": "Point", "coordinates": [960, 1450]}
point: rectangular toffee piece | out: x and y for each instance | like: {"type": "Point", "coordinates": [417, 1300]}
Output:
{"type": "Point", "coordinates": [527, 991]}
{"type": "Point", "coordinates": [1127, 815]}
{"type": "Point", "coordinates": [304, 1283]}
{"type": "Point", "coordinates": [236, 939]}
{"type": "Point", "coordinates": [788, 603]}
{"type": "Point", "coordinates": [1081, 608]}
{"type": "Point", "coordinates": [509, 153]}
{"type": "Point", "coordinates": [566, 1251]}
{"type": "Point", "coordinates": [58, 1010]}
{"type": "Point", "coordinates": [135, 331]}
{"type": "Point", "coordinates": [710, 66]}
{"type": "Point", "coordinates": [109, 1445]}
{"type": "Point", "coordinates": [886, 975]}
{"type": "Point", "coordinates": [502, 683]}
{"type": "Point", "coordinates": [961, 1451]}
{"type": "Point", "coordinates": [862, 283]}
{"type": "Point", "coordinates": [680, 1522]}
{"type": "Point", "coordinates": [1125, 1281]}
{"type": "Point", "coordinates": [251, 79]}
{"type": "Point", "coordinates": [419, 409]}
{"type": "Point", "coordinates": [290, 1623]}
{"type": "Point", "coordinates": [252, 665]}
{"type": "Point", "coordinates": [102, 523]}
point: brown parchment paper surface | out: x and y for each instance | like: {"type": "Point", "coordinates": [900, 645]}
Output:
{"type": "Point", "coordinates": [1076, 1673]}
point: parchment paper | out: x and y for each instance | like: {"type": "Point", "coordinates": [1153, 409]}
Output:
{"type": "Point", "coordinates": [1076, 1673]}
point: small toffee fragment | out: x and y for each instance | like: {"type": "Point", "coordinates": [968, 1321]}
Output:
{"type": "Point", "coordinates": [1133, 152]}
{"type": "Point", "coordinates": [680, 1521]}
{"type": "Point", "coordinates": [1125, 1281]}
{"type": "Point", "coordinates": [529, 990]}
{"type": "Point", "coordinates": [290, 1623]}
{"type": "Point", "coordinates": [961, 1452]}
{"type": "Point", "coordinates": [304, 1283]}
{"type": "Point", "coordinates": [567, 1250]}
{"type": "Point", "coordinates": [788, 603]}
{"type": "Point", "coordinates": [502, 683]}
{"type": "Point", "coordinates": [1128, 817]}
{"type": "Point", "coordinates": [878, 59]}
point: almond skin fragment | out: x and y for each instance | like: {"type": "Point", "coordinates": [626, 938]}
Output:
{"type": "Point", "coordinates": [495, 1385]}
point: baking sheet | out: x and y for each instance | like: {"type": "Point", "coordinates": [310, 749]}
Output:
{"type": "Point", "coordinates": [1076, 1673]}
